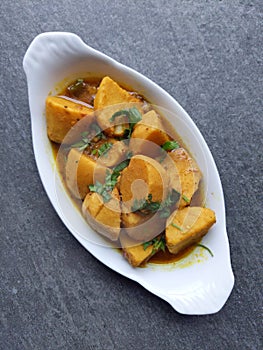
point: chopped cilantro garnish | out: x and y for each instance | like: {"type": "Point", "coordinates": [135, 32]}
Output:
{"type": "Point", "coordinates": [77, 87]}
{"type": "Point", "coordinates": [145, 206]}
{"type": "Point", "coordinates": [104, 148]}
{"type": "Point", "coordinates": [206, 248]}
{"type": "Point", "coordinates": [187, 200]}
{"type": "Point", "coordinates": [176, 226]}
{"type": "Point", "coordinates": [129, 155]}
{"type": "Point", "coordinates": [88, 137]}
{"type": "Point", "coordinates": [111, 179]}
{"type": "Point", "coordinates": [133, 115]}
{"type": "Point", "coordinates": [121, 166]}
{"type": "Point", "coordinates": [102, 190]}
{"type": "Point", "coordinates": [97, 131]}
{"type": "Point", "coordinates": [148, 206]}
{"type": "Point", "coordinates": [170, 145]}
{"type": "Point", "coordinates": [157, 243]}
{"type": "Point", "coordinates": [81, 145]}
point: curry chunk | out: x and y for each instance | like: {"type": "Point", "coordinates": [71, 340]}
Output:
{"type": "Point", "coordinates": [184, 174]}
{"type": "Point", "coordinates": [142, 227]}
{"type": "Point", "coordinates": [108, 96]}
{"type": "Point", "coordinates": [105, 218]}
{"type": "Point", "coordinates": [149, 130]}
{"type": "Point", "coordinates": [82, 171]}
{"type": "Point", "coordinates": [62, 115]}
{"type": "Point", "coordinates": [115, 155]}
{"type": "Point", "coordinates": [110, 93]}
{"type": "Point", "coordinates": [187, 226]}
{"type": "Point", "coordinates": [143, 177]}
{"type": "Point", "coordinates": [134, 252]}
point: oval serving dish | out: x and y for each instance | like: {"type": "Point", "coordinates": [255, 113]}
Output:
{"type": "Point", "coordinates": [198, 284]}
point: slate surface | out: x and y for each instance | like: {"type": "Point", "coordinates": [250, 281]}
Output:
{"type": "Point", "coordinates": [54, 294]}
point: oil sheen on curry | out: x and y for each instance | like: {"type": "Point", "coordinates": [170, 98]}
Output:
{"type": "Point", "coordinates": [128, 170]}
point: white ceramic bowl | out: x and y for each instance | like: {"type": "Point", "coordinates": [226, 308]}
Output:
{"type": "Point", "coordinates": [198, 284]}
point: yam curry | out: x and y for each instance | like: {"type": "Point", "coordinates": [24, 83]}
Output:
{"type": "Point", "coordinates": [120, 159]}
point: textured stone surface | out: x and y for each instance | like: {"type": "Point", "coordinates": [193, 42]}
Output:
{"type": "Point", "coordinates": [53, 293]}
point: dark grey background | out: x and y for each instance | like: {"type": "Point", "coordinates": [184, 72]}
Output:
{"type": "Point", "coordinates": [54, 294]}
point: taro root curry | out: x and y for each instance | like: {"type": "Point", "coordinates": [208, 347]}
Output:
{"type": "Point", "coordinates": [123, 163]}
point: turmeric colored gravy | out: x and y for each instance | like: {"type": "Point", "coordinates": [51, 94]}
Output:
{"type": "Point", "coordinates": [60, 156]}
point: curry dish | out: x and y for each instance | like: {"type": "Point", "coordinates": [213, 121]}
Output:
{"type": "Point", "coordinates": [123, 163]}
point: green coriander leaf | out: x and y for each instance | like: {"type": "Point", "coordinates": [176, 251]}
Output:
{"type": "Point", "coordinates": [176, 226]}
{"type": "Point", "coordinates": [95, 128]}
{"type": "Point", "coordinates": [145, 206]}
{"type": "Point", "coordinates": [77, 87]}
{"type": "Point", "coordinates": [129, 155]}
{"type": "Point", "coordinates": [122, 112]}
{"type": "Point", "coordinates": [148, 206]}
{"type": "Point", "coordinates": [78, 144]}
{"type": "Point", "coordinates": [92, 188]}
{"type": "Point", "coordinates": [157, 243]}
{"type": "Point", "coordinates": [100, 189]}
{"type": "Point", "coordinates": [97, 187]}
{"type": "Point", "coordinates": [166, 205]}
{"type": "Point", "coordinates": [104, 148]}
{"type": "Point", "coordinates": [146, 244]}
{"type": "Point", "coordinates": [172, 198]}
{"type": "Point", "coordinates": [121, 165]}
{"type": "Point", "coordinates": [84, 146]}
{"type": "Point", "coordinates": [135, 115]}
{"type": "Point", "coordinates": [108, 185]}
{"type": "Point", "coordinates": [84, 134]}
{"type": "Point", "coordinates": [187, 200]}
{"type": "Point", "coordinates": [117, 170]}
{"type": "Point", "coordinates": [114, 179]}
{"type": "Point", "coordinates": [96, 133]}
{"type": "Point", "coordinates": [165, 213]}
{"type": "Point", "coordinates": [170, 145]}
{"type": "Point", "coordinates": [138, 204]}
{"type": "Point", "coordinates": [151, 206]}
{"type": "Point", "coordinates": [83, 143]}
{"type": "Point", "coordinates": [205, 247]}
{"type": "Point", "coordinates": [163, 246]}
{"type": "Point", "coordinates": [106, 196]}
